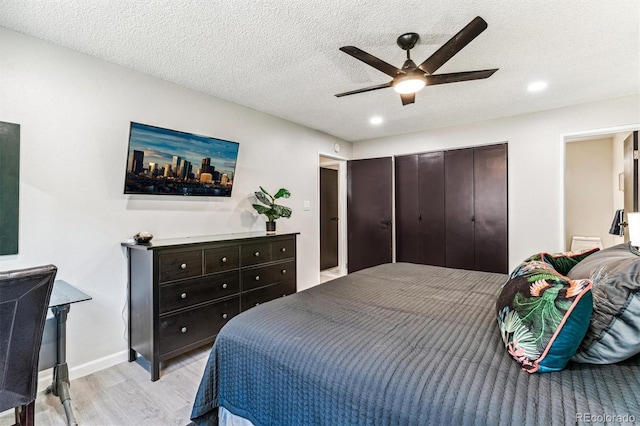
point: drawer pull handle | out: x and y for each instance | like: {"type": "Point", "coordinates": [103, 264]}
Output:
{"type": "Point", "coordinates": [256, 254]}
{"type": "Point", "coordinates": [257, 277]}
{"type": "Point", "coordinates": [284, 271]}
{"type": "Point", "coordinates": [224, 285]}
{"type": "Point", "coordinates": [283, 249]}
{"type": "Point", "coordinates": [224, 316]}
{"type": "Point", "coordinates": [183, 329]}
{"type": "Point", "coordinates": [183, 296]}
{"type": "Point", "coordinates": [224, 260]}
{"type": "Point", "coordinates": [183, 266]}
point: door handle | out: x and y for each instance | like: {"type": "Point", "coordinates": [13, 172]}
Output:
{"type": "Point", "coordinates": [334, 218]}
{"type": "Point", "coordinates": [386, 222]}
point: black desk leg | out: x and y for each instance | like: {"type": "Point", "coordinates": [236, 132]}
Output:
{"type": "Point", "coordinates": [61, 384]}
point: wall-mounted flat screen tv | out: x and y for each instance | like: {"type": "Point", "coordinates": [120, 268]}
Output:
{"type": "Point", "coordinates": [169, 162]}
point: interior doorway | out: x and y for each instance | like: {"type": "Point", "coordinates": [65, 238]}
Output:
{"type": "Point", "coordinates": [594, 177]}
{"type": "Point", "coordinates": [329, 219]}
{"type": "Point", "coordinates": [332, 201]}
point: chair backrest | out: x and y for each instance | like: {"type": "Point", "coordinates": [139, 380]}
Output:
{"type": "Point", "coordinates": [24, 301]}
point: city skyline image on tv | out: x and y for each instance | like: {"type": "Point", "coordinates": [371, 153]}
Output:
{"type": "Point", "coordinates": [165, 161]}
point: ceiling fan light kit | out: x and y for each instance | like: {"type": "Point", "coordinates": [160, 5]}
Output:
{"type": "Point", "coordinates": [409, 84]}
{"type": "Point", "coordinates": [412, 78]}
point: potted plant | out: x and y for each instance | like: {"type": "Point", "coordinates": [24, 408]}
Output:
{"type": "Point", "coordinates": [270, 209]}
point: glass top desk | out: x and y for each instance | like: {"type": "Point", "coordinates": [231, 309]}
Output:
{"type": "Point", "coordinates": [53, 352]}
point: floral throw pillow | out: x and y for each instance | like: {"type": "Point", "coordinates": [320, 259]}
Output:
{"type": "Point", "coordinates": [543, 315]}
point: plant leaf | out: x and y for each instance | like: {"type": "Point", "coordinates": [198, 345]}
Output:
{"type": "Point", "coordinates": [286, 212]}
{"type": "Point", "coordinates": [282, 211]}
{"type": "Point", "coordinates": [261, 197]}
{"type": "Point", "coordinates": [282, 193]}
{"type": "Point", "coordinates": [261, 209]}
{"type": "Point", "coordinates": [265, 191]}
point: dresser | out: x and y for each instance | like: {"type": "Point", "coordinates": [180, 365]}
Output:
{"type": "Point", "coordinates": [183, 290]}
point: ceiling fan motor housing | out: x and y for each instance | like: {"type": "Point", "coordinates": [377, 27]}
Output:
{"type": "Point", "coordinates": [408, 40]}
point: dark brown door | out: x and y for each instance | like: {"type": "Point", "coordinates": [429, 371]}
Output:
{"type": "Point", "coordinates": [490, 208]}
{"type": "Point", "coordinates": [407, 209]}
{"type": "Point", "coordinates": [420, 208]}
{"type": "Point", "coordinates": [328, 218]}
{"type": "Point", "coordinates": [369, 212]}
{"type": "Point", "coordinates": [459, 226]}
{"type": "Point", "coordinates": [431, 217]}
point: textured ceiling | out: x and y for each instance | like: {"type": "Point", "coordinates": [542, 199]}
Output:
{"type": "Point", "coordinates": [281, 57]}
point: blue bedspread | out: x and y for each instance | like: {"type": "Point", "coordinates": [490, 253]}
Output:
{"type": "Point", "coordinates": [397, 344]}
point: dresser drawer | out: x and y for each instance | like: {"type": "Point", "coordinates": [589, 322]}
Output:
{"type": "Point", "coordinates": [192, 326]}
{"type": "Point", "coordinates": [221, 259]}
{"type": "Point", "coordinates": [178, 265]}
{"type": "Point", "coordinates": [283, 249]}
{"type": "Point", "coordinates": [261, 276]}
{"type": "Point", "coordinates": [256, 297]}
{"type": "Point", "coordinates": [253, 254]}
{"type": "Point", "coordinates": [186, 293]}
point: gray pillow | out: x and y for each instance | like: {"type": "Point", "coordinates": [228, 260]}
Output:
{"type": "Point", "coordinates": [614, 331]}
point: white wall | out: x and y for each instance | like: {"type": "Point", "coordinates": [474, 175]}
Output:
{"type": "Point", "coordinates": [588, 171]}
{"type": "Point", "coordinates": [74, 111]}
{"type": "Point", "coordinates": [536, 162]}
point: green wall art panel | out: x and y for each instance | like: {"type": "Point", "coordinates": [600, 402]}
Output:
{"type": "Point", "coordinates": [9, 187]}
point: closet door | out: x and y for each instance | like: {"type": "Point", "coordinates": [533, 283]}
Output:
{"type": "Point", "coordinates": [431, 218]}
{"type": "Point", "coordinates": [407, 210]}
{"type": "Point", "coordinates": [490, 206]}
{"type": "Point", "coordinates": [458, 205]}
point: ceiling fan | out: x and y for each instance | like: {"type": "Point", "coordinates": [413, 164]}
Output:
{"type": "Point", "coordinates": [411, 78]}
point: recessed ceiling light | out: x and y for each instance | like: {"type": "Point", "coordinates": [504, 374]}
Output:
{"type": "Point", "coordinates": [537, 86]}
{"type": "Point", "coordinates": [375, 120]}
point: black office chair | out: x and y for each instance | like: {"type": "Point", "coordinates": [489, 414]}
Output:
{"type": "Point", "coordinates": [24, 300]}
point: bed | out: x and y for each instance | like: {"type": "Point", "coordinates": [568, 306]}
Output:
{"type": "Point", "coordinates": [398, 344]}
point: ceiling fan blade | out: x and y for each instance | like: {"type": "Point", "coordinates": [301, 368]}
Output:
{"type": "Point", "coordinates": [408, 98]}
{"type": "Point", "coordinates": [366, 89]}
{"type": "Point", "coordinates": [458, 76]}
{"type": "Point", "coordinates": [454, 45]}
{"type": "Point", "coordinates": [371, 60]}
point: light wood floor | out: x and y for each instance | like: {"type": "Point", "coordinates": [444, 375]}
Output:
{"type": "Point", "coordinates": [125, 395]}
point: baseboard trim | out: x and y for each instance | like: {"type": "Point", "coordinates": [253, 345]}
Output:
{"type": "Point", "coordinates": [46, 377]}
